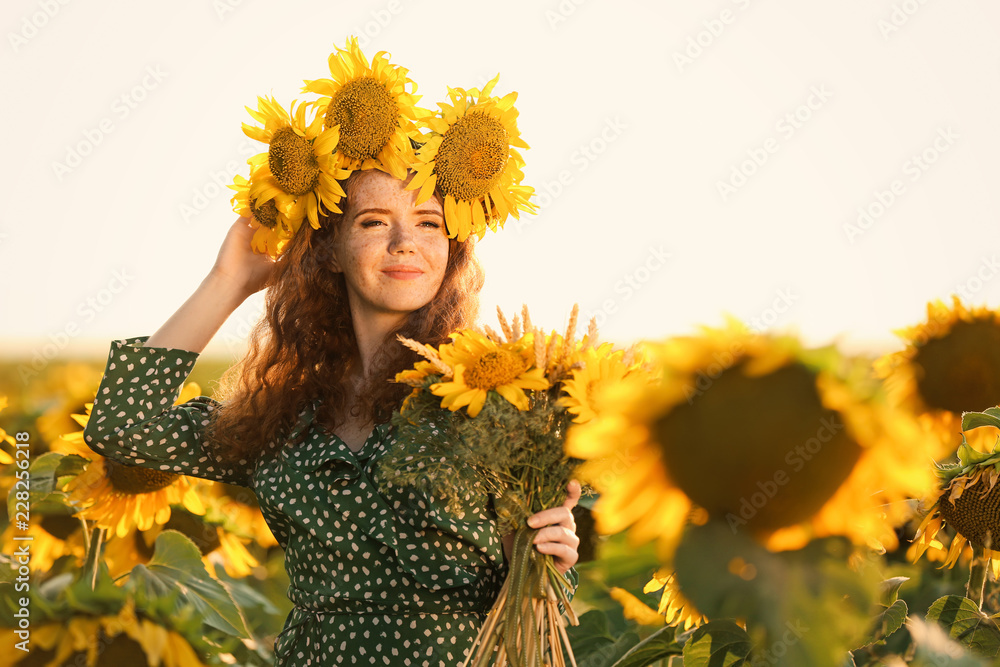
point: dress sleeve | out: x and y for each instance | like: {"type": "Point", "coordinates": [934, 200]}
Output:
{"type": "Point", "coordinates": [134, 420]}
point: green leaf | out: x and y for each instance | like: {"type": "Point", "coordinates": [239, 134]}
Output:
{"type": "Point", "coordinates": [806, 604]}
{"type": "Point", "coordinates": [964, 622]}
{"type": "Point", "coordinates": [988, 417]}
{"type": "Point", "coordinates": [105, 598]}
{"type": "Point", "coordinates": [40, 481]}
{"type": "Point", "coordinates": [935, 649]}
{"type": "Point", "coordinates": [611, 653]}
{"type": "Point", "coordinates": [716, 644]}
{"type": "Point", "coordinates": [887, 622]}
{"type": "Point", "coordinates": [177, 564]}
{"type": "Point", "coordinates": [590, 635]}
{"type": "Point", "coordinates": [888, 590]}
{"type": "Point", "coordinates": [657, 646]}
{"type": "Point", "coordinates": [71, 464]}
{"type": "Point", "coordinates": [243, 594]}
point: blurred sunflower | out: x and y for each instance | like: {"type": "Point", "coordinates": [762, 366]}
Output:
{"type": "Point", "coordinates": [52, 535]}
{"type": "Point", "coordinates": [69, 386]}
{"type": "Point", "coordinates": [119, 497]}
{"type": "Point", "coordinates": [470, 157]}
{"type": "Point", "coordinates": [5, 458]}
{"type": "Point", "coordinates": [216, 544]}
{"type": "Point", "coordinates": [675, 608]}
{"type": "Point", "coordinates": [595, 368]}
{"type": "Point", "coordinates": [951, 364]}
{"type": "Point", "coordinates": [371, 108]}
{"type": "Point", "coordinates": [635, 609]}
{"type": "Point", "coordinates": [237, 510]}
{"type": "Point", "coordinates": [481, 365]}
{"type": "Point", "coordinates": [298, 171]}
{"type": "Point", "coordinates": [87, 640]}
{"type": "Point", "coordinates": [968, 500]}
{"type": "Point", "coordinates": [758, 432]}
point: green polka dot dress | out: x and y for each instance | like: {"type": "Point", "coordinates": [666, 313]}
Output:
{"type": "Point", "coordinates": [379, 574]}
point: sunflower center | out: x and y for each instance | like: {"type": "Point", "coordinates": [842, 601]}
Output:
{"type": "Point", "coordinates": [472, 156]}
{"type": "Point", "coordinates": [367, 114]}
{"type": "Point", "coordinates": [136, 480]}
{"type": "Point", "coordinates": [762, 450]}
{"type": "Point", "coordinates": [493, 369]}
{"type": "Point", "coordinates": [961, 370]}
{"type": "Point", "coordinates": [204, 535]}
{"type": "Point", "coordinates": [293, 162]}
{"type": "Point", "coordinates": [976, 513]}
{"type": "Point", "coordinates": [119, 649]}
{"type": "Point", "coordinates": [60, 526]}
{"type": "Point", "coordinates": [267, 215]}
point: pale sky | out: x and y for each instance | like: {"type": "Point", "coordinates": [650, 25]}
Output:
{"type": "Point", "coordinates": [819, 167]}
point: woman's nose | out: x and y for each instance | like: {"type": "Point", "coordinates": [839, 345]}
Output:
{"type": "Point", "coordinates": [401, 241]}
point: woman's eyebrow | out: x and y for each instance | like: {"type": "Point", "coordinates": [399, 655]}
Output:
{"type": "Point", "coordinates": [383, 211]}
{"type": "Point", "coordinates": [429, 211]}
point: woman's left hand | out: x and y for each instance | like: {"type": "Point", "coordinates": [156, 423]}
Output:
{"type": "Point", "coordinates": [557, 536]}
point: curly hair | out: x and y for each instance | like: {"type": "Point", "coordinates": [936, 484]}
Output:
{"type": "Point", "coordinates": [304, 347]}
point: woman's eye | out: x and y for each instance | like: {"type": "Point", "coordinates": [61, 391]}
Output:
{"type": "Point", "coordinates": [431, 223]}
{"type": "Point", "coordinates": [371, 223]}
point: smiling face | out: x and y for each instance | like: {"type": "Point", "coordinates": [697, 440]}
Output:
{"type": "Point", "coordinates": [392, 253]}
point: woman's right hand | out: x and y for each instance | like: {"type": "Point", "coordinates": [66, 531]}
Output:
{"type": "Point", "coordinates": [238, 263]}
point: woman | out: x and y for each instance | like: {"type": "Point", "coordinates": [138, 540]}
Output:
{"type": "Point", "coordinates": [378, 574]}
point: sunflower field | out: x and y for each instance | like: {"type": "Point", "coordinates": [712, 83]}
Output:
{"type": "Point", "coordinates": [751, 501]}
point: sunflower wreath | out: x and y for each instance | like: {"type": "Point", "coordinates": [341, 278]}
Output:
{"type": "Point", "coordinates": [366, 117]}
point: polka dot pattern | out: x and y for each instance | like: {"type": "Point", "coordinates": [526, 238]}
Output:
{"type": "Point", "coordinates": [379, 574]}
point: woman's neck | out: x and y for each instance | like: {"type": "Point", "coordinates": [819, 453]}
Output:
{"type": "Point", "coordinates": [370, 332]}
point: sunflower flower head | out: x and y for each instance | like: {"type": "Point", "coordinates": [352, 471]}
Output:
{"type": "Point", "coordinates": [298, 172]}
{"type": "Point", "coordinates": [272, 226]}
{"type": "Point", "coordinates": [951, 364]}
{"type": "Point", "coordinates": [967, 499]}
{"type": "Point", "coordinates": [471, 159]}
{"type": "Point", "coordinates": [756, 431]}
{"type": "Point", "coordinates": [372, 107]}
{"type": "Point", "coordinates": [676, 608]}
{"type": "Point", "coordinates": [119, 497]}
{"type": "Point", "coordinates": [597, 369]}
{"type": "Point", "coordinates": [479, 366]}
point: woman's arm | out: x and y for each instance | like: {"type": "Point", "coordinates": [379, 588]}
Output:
{"type": "Point", "coordinates": [238, 272]}
{"type": "Point", "coordinates": [134, 420]}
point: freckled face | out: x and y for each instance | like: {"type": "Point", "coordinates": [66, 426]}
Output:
{"type": "Point", "coordinates": [392, 253]}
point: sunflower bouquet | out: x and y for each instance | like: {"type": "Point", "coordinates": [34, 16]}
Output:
{"type": "Point", "coordinates": [501, 405]}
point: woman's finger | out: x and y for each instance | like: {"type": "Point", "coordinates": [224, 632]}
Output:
{"type": "Point", "coordinates": [557, 534]}
{"type": "Point", "coordinates": [562, 514]}
{"type": "Point", "coordinates": [556, 515]}
{"type": "Point", "coordinates": [574, 490]}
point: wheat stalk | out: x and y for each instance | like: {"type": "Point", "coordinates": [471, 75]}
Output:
{"type": "Point", "coordinates": [504, 326]}
{"type": "Point", "coordinates": [428, 353]}
{"type": "Point", "coordinates": [540, 360]}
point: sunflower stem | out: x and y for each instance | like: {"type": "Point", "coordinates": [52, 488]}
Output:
{"type": "Point", "coordinates": [977, 575]}
{"type": "Point", "coordinates": [92, 563]}
{"type": "Point", "coordinates": [86, 534]}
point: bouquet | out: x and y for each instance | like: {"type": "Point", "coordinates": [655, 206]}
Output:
{"type": "Point", "coordinates": [506, 401]}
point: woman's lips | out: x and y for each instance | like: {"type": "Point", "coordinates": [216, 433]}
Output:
{"type": "Point", "coordinates": [403, 272]}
